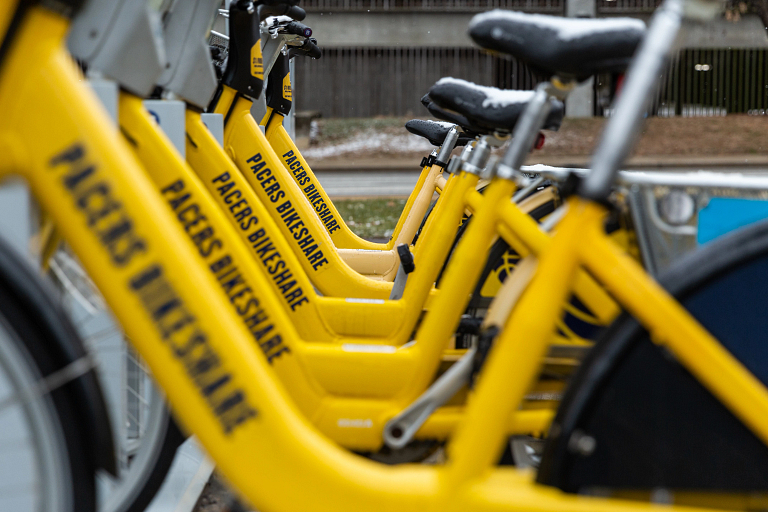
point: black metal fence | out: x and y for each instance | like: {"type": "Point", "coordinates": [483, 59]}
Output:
{"type": "Point", "coordinates": [366, 82]}
{"type": "Point", "coordinates": [623, 7]}
{"type": "Point", "coordinates": [543, 6]}
{"type": "Point", "coordinates": [716, 82]}
{"type": "Point", "coordinates": [705, 82]}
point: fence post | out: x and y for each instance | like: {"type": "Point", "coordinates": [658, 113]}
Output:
{"type": "Point", "coordinates": [580, 102]}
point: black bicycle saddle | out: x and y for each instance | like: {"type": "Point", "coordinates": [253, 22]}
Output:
{"type": "Point", "coordinates": [435, 131]}
{"type": "Point", "coordinates": [454, 118]}
{"type": "Point", "coordinates": [567, 47]}
{"type": "Point", "coordinates": [489, 107]}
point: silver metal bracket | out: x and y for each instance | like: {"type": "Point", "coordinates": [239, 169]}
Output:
{"type": "Point", "coordinates": [455, 164]}
{"type": "Point", "coordinates": [398, 286]}
{"type": "Point", "coordinates": [478, 158]}
{"type": "Point", "coordinates": [107, 91]}
{"type": "Point", "coordinates": [504, 172]}
{"type": "Point", "coordinates": [189, 72]}
{"type": "Point", "coordinates": [490, 165]}
{"type": "Point", "coordinates": [523, 192]}
{"type": "Point", "coordinates": [407, 266]}
{"type": "Point", "coordinates": [170, 116]}
{"type": "Point", "coordinates": [215, 125]}
{"type": "Point", "coordinates": [122, 40]}
{"type": "Point", "coordinates": [272, 46]}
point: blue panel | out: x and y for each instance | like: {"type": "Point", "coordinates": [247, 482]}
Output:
{"type": "Point", "coordinates": [723, 215]}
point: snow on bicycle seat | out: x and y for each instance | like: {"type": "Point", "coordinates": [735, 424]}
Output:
{"type": "Point", "coordinates": [489, 107]}
{"type": "Point", "coordinates": [568, 47]}
{"type": "Point", "coordinates": [435, 131]}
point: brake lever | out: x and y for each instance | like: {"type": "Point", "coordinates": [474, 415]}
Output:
{"type": "Point", "coordinates": [308, 49]}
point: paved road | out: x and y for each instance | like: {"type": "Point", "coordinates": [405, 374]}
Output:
{"type": "Point", "coordinates": [368, 184]}
{"type": "Point", "coordinates": [401, 183]}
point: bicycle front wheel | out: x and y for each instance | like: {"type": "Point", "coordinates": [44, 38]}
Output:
{"type": "Point", "coordinates": [40, 470]}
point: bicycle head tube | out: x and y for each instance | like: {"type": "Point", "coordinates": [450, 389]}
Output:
{"type": "Point", "coordinates": [245, 66]}
{"type": "Point", "coordinates": [278, 92]}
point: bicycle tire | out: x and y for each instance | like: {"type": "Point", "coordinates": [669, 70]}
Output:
{"type": "Point", "coordinates": [154, 478]}
{"type": "Point", "coordinates": [20, 334]}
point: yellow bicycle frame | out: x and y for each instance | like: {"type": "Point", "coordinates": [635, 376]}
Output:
{"type": "Point", "coordinates": [210, 163]}
{"type": "Point", "coordinates": [349, 390]}
{"type": "Point", "coordinates": [343, 238]}
{"type": "Point", "coordinates": [249, 149]}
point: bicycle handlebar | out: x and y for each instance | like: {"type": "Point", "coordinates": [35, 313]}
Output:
{"type": "Point", "coordinates": [296, 28]}
{"type": "Point", "coordinates": [308, 49]}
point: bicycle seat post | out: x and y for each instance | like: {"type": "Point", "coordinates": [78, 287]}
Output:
{"type": "Point", "coordinates": [475, 163]}
{"type": "Point", "coordinates": [456, 163]}
{"type": "Point", "coordinates": [446, 148]}
{"type": "Point", "coordinates": [527, 128]}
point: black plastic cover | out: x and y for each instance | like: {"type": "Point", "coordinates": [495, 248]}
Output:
{"type": "Point", "coordinates": [278, 93]}
{"type": "Point", "coordinates": [245, 66]}
{"type": "Point", "coordinates": [406, 258]}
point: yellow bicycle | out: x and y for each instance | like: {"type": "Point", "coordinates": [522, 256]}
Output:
{"type": "Point", "coordinates": [86, 177]}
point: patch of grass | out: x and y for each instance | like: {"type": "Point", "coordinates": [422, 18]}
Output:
{"type": "Point", "coordinates": [371, 218]}
{"type": "Point", "coordinates": [336, 129]}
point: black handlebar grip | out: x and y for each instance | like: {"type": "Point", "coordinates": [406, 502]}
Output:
{"type": "Point", "coordinates": [296, 13]}
{"type": "Point", "coordinates": [311, 49]}
{"type": "Point", "coordinates": [298, 29]}
{"type": "Point", "coordinates": [308, 49]}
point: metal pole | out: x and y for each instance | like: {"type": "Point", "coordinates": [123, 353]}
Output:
{"type": "Point", "coordinates": [620, 132]}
